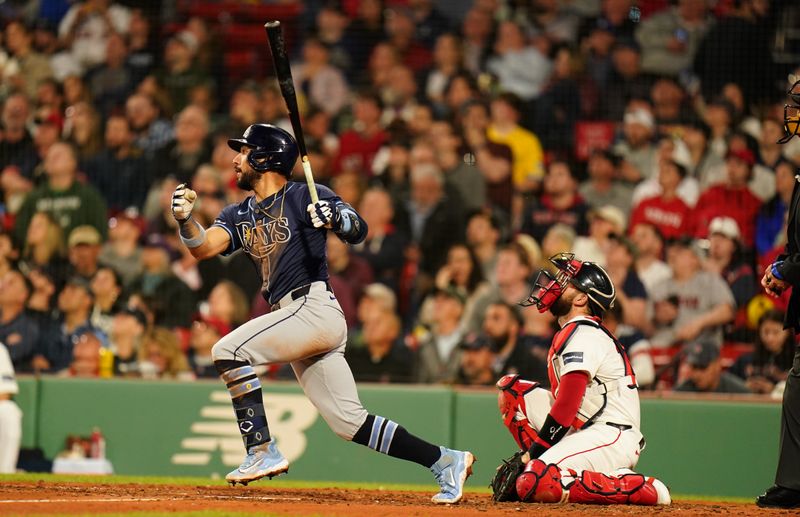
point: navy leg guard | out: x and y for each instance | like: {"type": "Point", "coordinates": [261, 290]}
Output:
{"type": "Point", "coordinates": [248, 402]}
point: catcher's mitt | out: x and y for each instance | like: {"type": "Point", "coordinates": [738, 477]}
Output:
{"type": "Point", "coordinates": [504, 483]}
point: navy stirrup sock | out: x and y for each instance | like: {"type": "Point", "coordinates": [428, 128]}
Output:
{"type": "Point", "coordinates": [386, 436]}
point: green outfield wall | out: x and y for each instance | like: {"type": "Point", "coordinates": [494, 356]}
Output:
{"type": "Point", "coordinates": [726, 448]}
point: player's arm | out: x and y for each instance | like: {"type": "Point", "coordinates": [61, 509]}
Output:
{"type": "Point", "coordinates": [202, 243]}
{"type": "Point", "coordinates": [571, 389]}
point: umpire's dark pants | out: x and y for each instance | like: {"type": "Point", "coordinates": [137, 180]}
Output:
{"type": "Point", "coordinates": [788, 475]}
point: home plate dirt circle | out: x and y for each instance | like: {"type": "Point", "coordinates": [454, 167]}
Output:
{"type": "Point", "coordinates": [40, 498]}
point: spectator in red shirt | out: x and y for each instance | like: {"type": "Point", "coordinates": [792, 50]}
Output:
{"type": "Point", "coordinates": [358, 145]}
{"type": "Point", "coordinates": [667, 211]}
{"type": "Point", "coordinates": [732, 198]}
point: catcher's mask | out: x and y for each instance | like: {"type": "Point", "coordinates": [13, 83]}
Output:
{"type": "Point", "coordinates": [586, 277]}
{"type": "Point", "coordinates": [791, 112]}
{"type": "Point", "coordinates": [548, 287]}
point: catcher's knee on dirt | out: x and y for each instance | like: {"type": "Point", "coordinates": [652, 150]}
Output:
{"type": "Point", "coordinates": [248, 403]}
{"type": "Point", "coordinates": [540, 483]}
{"type": "Point", "coordinates": [522, 403]}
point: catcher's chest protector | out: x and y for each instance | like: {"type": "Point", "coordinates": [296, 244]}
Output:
{"type": "Point", "coordinates": [595, 399]}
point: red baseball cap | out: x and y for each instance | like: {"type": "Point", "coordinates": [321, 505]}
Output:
{"type": "Point", "coordinates": [745, 155]}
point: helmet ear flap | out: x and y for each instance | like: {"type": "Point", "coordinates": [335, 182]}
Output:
{"type": "Point", "coordinates": [258, 160]}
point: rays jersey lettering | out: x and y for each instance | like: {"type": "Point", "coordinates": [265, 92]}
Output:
{"type": "Point", "coordinates": [262, 239]}
{"type": "Point", "coordinates": [279, 238]}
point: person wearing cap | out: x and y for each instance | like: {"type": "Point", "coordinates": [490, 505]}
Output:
{"type": "Point", "coordinates": [666, 211]}
{"type": "Point", "coordinates": [18, 330]}
{"type": "Point", "coordinates": [603, 223]}
{"type": "Point", "coordinates": [171, 300]}
{"type": "Point", "coordinates": [438, 355]}
{"type": "Point", "coordinates": [75, 304]}
{"type": "Point", "coordinates": [10, 415]}
{"type": "Point", "coordinates": [725, 258]}
{"type": "Point", "coordinates": [477, 362]}
{"type": "Point", "coordinates": [603, 186]}
{"type": "Point", "coordinates": [636, 149]}
{"type": "Point", "coordinates": [83, 251]}
{"type": "Point", "coordinates": [559, 202]}
{"type": "Point", "coordinates": [733, 198]}
{"type": "Point", "coordinates": [781, 274]}
{"type": "Point", "coordinates": [706, 374]}
{"type": "Point", "coordinates": [70, 202]}
{"type": "Point", "coordinates": [692, 305]}
{"type": "Point", "coordinates": [761, 180]}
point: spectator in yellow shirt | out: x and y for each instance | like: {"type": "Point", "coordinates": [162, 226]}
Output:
{"type": "Point", "coordinates": [528, 157]}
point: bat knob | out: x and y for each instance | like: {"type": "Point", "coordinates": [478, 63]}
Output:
{"type": "Point", "coordinates": [271, 24]}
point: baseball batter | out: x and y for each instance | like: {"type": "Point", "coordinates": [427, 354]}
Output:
{"type": "Point", "coordinates": [582, 438]}
{"type": "Point", "coordinates": [284, 235]}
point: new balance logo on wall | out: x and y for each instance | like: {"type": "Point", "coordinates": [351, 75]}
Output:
{"type": "Point", "coordinates": [289, 417]}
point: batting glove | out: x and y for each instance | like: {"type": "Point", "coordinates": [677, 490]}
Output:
{"type": "Point", "coordinates": [183, 202]}
{"type": "Point", "coordinates": [322, 213]}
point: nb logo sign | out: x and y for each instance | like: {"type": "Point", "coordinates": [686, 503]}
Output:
{"type": "Point", "coordinates": [217, 432]}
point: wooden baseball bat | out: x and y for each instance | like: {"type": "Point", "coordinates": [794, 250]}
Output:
{"type": "Point", "coordinates": [284, 74]}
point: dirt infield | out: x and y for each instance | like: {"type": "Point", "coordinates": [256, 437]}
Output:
{"type": "Point", "coordinates": [19, 498]}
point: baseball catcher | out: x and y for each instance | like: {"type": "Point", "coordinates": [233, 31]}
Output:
{"type": "Point", "coordinates": [580, 440]}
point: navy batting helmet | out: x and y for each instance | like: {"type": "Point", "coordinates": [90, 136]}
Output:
{"type": "Point", "coordinates": [273, 149]}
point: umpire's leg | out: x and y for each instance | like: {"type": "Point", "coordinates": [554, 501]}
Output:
{"type": "Point", "coordinates": [788, 474]}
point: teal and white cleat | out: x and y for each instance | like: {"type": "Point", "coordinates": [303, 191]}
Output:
{"type": "Point", "coordinates": [451, 471]}
{"type": "Point", "coordinates": [264, 460]}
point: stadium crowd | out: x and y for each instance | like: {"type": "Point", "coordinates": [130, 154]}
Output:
{"type": "Point", "coordinates": [476, 144]}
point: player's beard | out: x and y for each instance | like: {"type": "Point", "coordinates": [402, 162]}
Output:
{"type": "Point", "coordinates": [246, 179]}
{"type": "Point", "coordinates": [561, 307]}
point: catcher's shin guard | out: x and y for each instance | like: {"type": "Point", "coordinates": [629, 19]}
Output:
{"type": "Point", "coordinates": [541, 483]}
{"type": "Point", "coordinates": [597, 488]}
{"type": "Point", "coordinates": [511, 402]}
